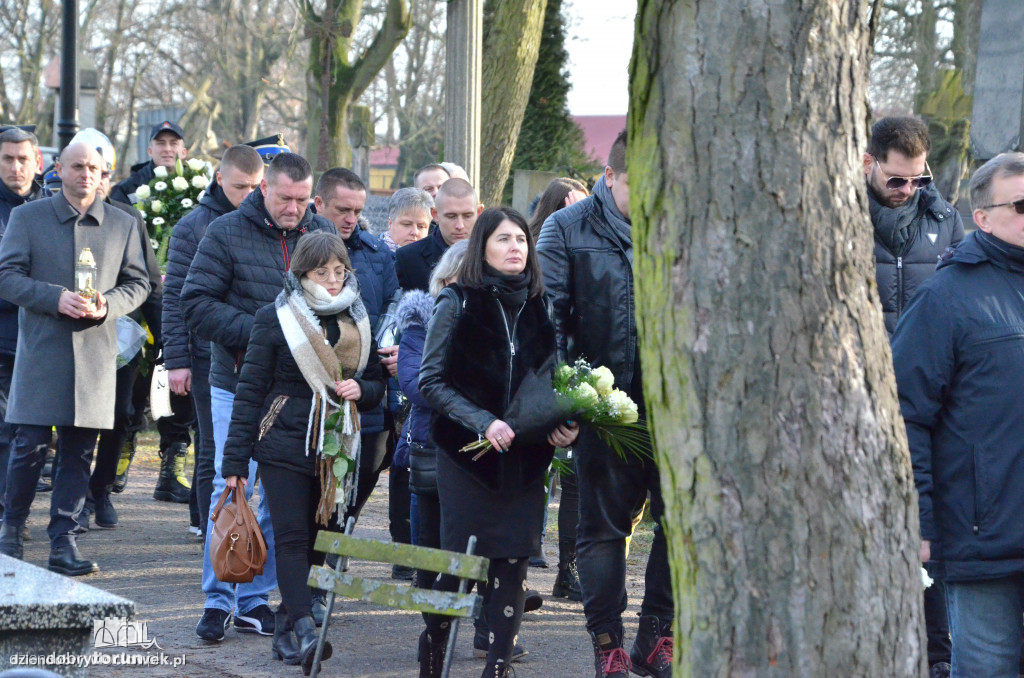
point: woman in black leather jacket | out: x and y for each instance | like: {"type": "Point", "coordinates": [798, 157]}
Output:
{"type": "Point", "coordinates": [309, 352]}
{"type": "Point", "coordinates": [487, 332]}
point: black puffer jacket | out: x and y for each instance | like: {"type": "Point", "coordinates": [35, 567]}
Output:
{"type": "Point", "coordinates": [899, 274]}
{"type": "Point", "coordinates": [142, 173]}
{"type": "Point", "coordinates": [179, 343]}
{"type": "Point", "coordinates": [588, 277]}
{"type": "Point", "coordinates": [8, 311]}
{"type": "Point", "coordinates": [270, 371]}
{"type": "Point", "coordinates": [238, 268]}
{"type": "Point", "coordinates": [959, 354]}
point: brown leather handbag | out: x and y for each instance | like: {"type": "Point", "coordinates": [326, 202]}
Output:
{"type": "Point", "coordinates": [237, 549]}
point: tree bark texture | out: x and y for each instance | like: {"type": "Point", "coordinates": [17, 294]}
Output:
{"type": "Point", "coordinates": [334, 81]}
{"type": "Point", "coordinates": [511, 44]}
{"type": "Point", "coordinates": [791, 512]}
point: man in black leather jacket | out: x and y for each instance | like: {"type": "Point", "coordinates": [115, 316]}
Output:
{"type": "Point", "coordinates": [586, 252]}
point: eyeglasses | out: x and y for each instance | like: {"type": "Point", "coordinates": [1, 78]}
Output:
{"type": "Point", "coordinates": [1017, 205]}
{"type": "Point", "coordinates": [894, 183]}
{"type": "Point", "coordinates": [323, 275]}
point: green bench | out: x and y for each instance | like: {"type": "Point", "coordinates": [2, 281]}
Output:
{"type": "Point", "coordinates": [462, 605]}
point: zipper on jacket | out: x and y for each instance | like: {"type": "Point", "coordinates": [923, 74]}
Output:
{"type": "Point", "coordinates": [976, 526]}
{"type": "Point", "coordinates": [284, 252]}
{"type": "Point", "coordinates": [899, 287]}
{"type": "Point", "coordinates": [511, 344]}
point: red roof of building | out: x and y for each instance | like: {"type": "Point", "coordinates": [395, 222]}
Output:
{"type": "Point", "coordinates": [385, 156]}
{"type": "Point", "coordinates": [599, 132]}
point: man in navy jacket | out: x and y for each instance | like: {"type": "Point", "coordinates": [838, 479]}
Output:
{"type": "Point", "coordinates": [959, 356]}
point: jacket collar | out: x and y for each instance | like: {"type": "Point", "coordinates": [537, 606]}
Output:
{"type": "Point", "coordinates": [435, 238]}
{"type": "Point", "coordinates": [254, 209]}
{"type": "Point", "coordinates": [601, 225]}
{"type": "Point", "coordinates": [65, 212]}
{"type": "Point", "coordinates": [11, 198]}
{"type": "Point", "coordinates": [215, 199]}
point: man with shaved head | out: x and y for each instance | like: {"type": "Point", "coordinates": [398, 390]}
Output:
{"type": "Point", "coordinates": [67, 343]}
{"type": "Point", "coordinates": [455, 209]}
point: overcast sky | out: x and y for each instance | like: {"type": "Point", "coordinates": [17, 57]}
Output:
{"type": "Point", "coordinates": [600, 41]}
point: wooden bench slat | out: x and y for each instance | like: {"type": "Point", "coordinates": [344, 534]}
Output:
{"type": "Point", "coordinates": [459, 565]}
{"type": "Point", "coordinates": [466, 605]}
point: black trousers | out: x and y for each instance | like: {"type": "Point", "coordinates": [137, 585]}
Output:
{"type": "Point", "coordinates": [504, 596]}
{"type": "Point", "coordinates": [70, 477]}
{"type": "Point", "coordinates": [940, 647]}
{"type": "Point", "coordinates": [204, 469]}
{"type": "Point", "coordinates": [6, 430]}
{"type": "Point", "coordinates": [612, 490]}
{"type": "Point", "coordinates": [376, 451]}
{"type": "Point", "coordinates": [293, 498]}
{"type": "Point", "coordinates": [108, 449]}
{"type": "Point", "coordinates": [568, 518]}
{"type": "Point", "coordinates": [399, 505]}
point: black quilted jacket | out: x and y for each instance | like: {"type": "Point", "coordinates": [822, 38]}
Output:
{"type": "Point", "coordinates": [185, 240]}
{"type": "Point", "coordinates": [239, 267]}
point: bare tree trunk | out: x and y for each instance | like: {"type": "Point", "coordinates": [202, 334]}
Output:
{"type": "Point", "coordinates": [511, 44]}
{"type": "Point", "coordinates": [790, 511]}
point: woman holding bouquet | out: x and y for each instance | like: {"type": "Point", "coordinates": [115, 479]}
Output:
{"type": "Point", "coordinates": [487, 333]}
{"type": "Point", "coordinates": [310, 352]}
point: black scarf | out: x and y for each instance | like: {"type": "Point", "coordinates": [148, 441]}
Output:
{"type": "Point", "coordinates": [892, 224]}
{"type": "Point", "coordinates": [511, 290]}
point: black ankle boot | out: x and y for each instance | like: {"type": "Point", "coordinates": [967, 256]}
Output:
{"type": "Point", "coordinates": [498, 670]}
{"type": "Point", "coordinates": [171, 484]}
{"type": "Point", "coordinates": [124, 462]}
{"type": "Point", "coordinates": [652, 651]}
{"type": "Point", "coordinates": [12, 541]}
{"type": "Point", "coordinates": [306, 637]}
{"type": "Point", "coordinates": [567, 583]}
{"type": "Point", "coordinates": [431, 653]}
{"type": "Point", "coordinates": [284, 647]}
{"type": "Point", "coordinates": [610, 660]}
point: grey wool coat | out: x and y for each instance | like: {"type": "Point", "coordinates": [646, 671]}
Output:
{"type": "Point", "coordinates": [64, 370]}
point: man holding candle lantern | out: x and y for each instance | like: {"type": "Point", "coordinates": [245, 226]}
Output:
{"type": "Point", "coordinates": [64, 372]}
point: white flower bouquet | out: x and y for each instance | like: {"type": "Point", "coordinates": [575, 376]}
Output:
{"type": "Point", "coordinates": [573, 392]}
{"type": "Point", "coordinates": [169, 197]}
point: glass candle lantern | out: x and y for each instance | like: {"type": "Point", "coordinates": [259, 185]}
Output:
{"type": "Point", "coordinates": [85, 277]}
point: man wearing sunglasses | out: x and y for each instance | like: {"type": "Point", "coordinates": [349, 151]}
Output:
{"type": "Point", "coordinates": [959, 356]}
{"type": "Point", "coordinates": [913, 224]}
{"type": "Point", "coordinates": [913, 227]}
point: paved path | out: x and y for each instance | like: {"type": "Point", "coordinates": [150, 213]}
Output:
{"type": "Point", "coordinates": [151, 558]}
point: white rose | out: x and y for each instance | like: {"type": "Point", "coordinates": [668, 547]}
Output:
{"type": "Point", "coordinates": [605, 380]}
{"type": "Point", "coordinates": [160, 186]}
{"type": "Point", "coordinates": [186, 202]}
{"type": "Point", "coordinates": [196, 165]}
{"type": "Point", "coordinates": [588, 397]}
{"type": "Point", "coordinates": [160, 172]}
{"type": "Point", "coordinates": [156, 206]}
{"type": "Point", "coordinates": [142, 192]}
{"type": "Point", "coordinates": [180, 184]}
{"type": "Point", "coordinates": [158, 221]}
{"type": "Point", "coordinates": [622, 407]}
{"type": "Point", "coordinates": [200, 181]}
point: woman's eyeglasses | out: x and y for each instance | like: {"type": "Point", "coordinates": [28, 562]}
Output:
{"type": "Point", "coordinates": [322, 275]}
{"type": "Point", "coordinates": [895, 183]}
{"type": "Point", "coordinates": [1017, 205]}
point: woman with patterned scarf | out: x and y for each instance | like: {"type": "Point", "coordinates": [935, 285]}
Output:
{"type": "Point", "coordinates": [310, 354]}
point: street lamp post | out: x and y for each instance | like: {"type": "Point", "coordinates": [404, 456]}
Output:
{"type": "Point", "coordinates": [67, 125]}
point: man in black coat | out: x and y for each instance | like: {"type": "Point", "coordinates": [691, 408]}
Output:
{"type": "Point", "coordinates": [186, 357]}
{"type": "Point", "coordinates": [958, 351]}
{"type": "Point", "coordinates": [19, 168]}
{"type": "Point", "coordinates": [913, 224]}
{"type": "Point", "coordinates": [455, 209]}
{"type": "Point", "coordinates": [166, 146]}
{"type": "Point", "coordinates": [586, 252]}
{"type": "Point", "coordinates": [238, 268]}
{"type": "Point", "coordinates": [913, 227]}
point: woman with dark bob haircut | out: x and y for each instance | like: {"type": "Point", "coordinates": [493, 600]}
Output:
{"type": "Point", "coordinates": [310, 353]}
{"type": "Point", "coordinates": [488, 331]}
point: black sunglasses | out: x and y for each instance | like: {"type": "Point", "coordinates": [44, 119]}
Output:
{"type": "Point", "coordinates": [1017, 205]}
{"type": "Point", "coordinates": [894, 183]}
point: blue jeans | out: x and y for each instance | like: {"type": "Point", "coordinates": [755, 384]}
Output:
{"type": "Point", "coordinates": [228, 597]}
{"type": "Point", "coordinates": [985, 625]}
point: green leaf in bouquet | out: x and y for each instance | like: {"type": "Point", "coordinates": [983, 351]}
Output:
{"type": "Point", "coordinates": [331, 445]}
{"type": "Point", "coordinates": [333, 420]}
{"type": "Point", "coordinates": [342, 465]}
